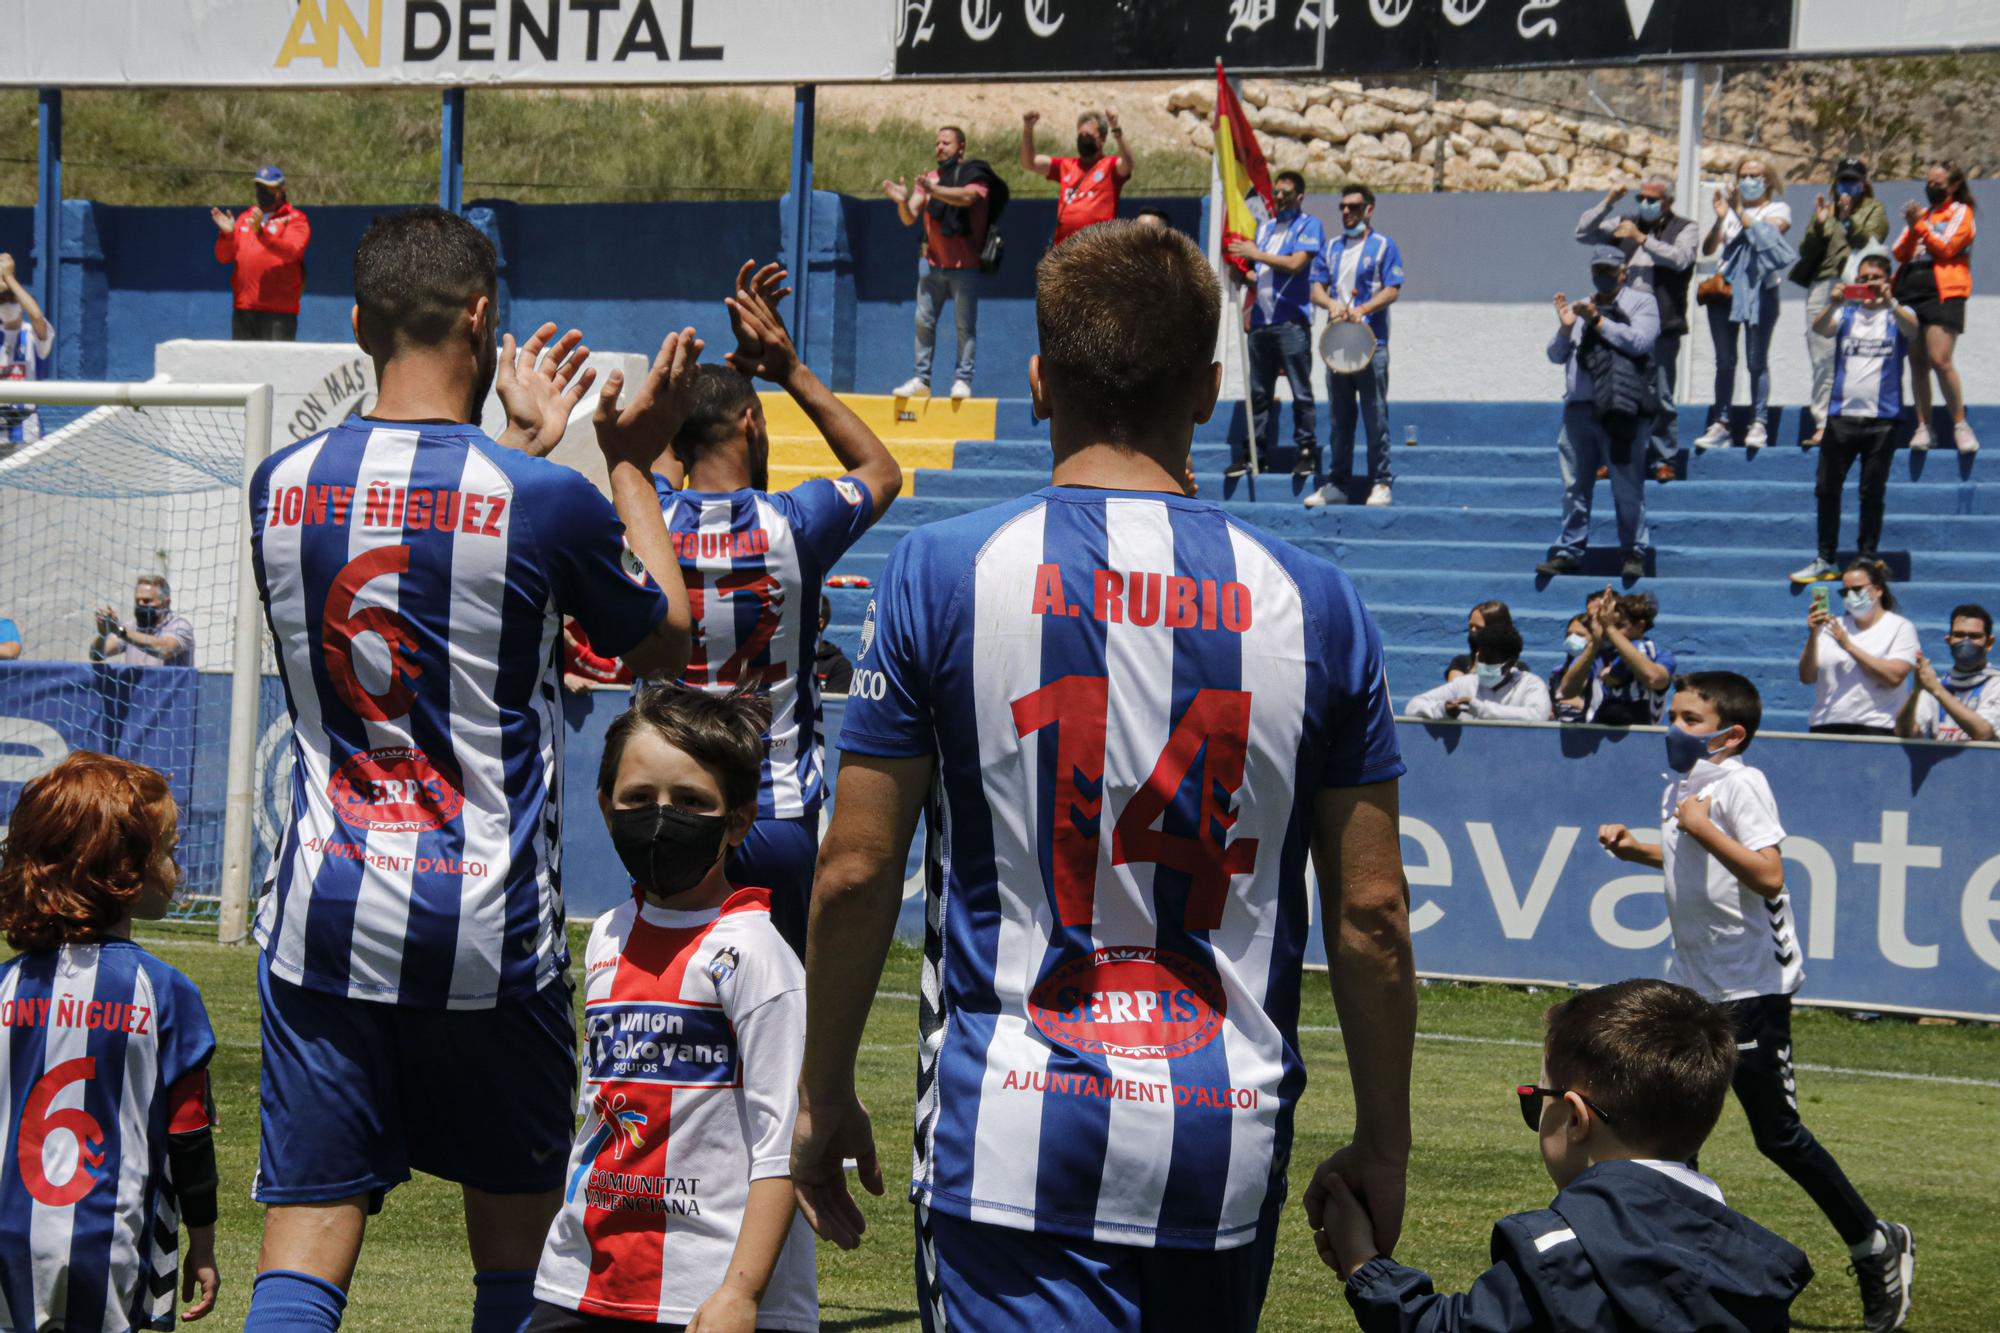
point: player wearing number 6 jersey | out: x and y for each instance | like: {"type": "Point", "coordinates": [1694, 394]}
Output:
{"type": "Point", "coordinates": [753, 562]}
{"type": "Point", "coordinates": [417, 575]}
{"type": "Point", "coordinates": [104, 1051]}
{"type": "Point", "coordinates": [1142, 718]}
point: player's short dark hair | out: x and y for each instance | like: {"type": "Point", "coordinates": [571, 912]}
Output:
{"type": "Point", "coordinates": [1973, 611]}
{"type": "Point", "coordinates": [720, 395]}
{"type": "Point", "coordinates": [1656, 1057]}
{"type": "Point", "coordinates": [724, 733]}
{"type": "Point", "coordinates": [413, 274]}
{"type": "Point", "coordinates": [1127, 317]}
{"type": "Point", "coordinates": [1356, 187]}
{"type": "Point", "coordinates": [1735, 699]}
{"type": "Point", "coordinates": [1298, 181]}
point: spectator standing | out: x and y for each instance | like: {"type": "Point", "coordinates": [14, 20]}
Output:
{"type": "Point", "coordinates": [1752, 206]}
{"type": "Point", "coordinates": [1859, 662]}
{"type": "Point", "coordinates": [1090, 182]}
{"type": "Point", "coordinates": [1499, 689]}
{"type": "Point", "coordinates": [1621, 677]}
{"type": "Point", "coordinates": [1358, 276]}
{"type": "Point", "coordinates": [157, 634]}
{"type": "Point", "coordinates": [267, 245]}
{"type": "Point", "coordinates": [1278, 316]}
{"type": "Point", "coordinates": [1659, 247]}
{"type": "Point", "coordinates": [954, 204]}
{"type": "Point", "coordinates": [1605, 347]}
{"type": "Point", "coordinates": [830, 664]}
{"type": "Point", "coordinates": [10, 640]}
{"type": "Point", "coordinates": [1962, 706]}
{"type": "Point", "coordinates": [1935, 251]}
{"type": "Point", "coordinates": [1834, 241]}
{"type": "Point", "coordinates": [1871, 341]}
{"type": "Point", "coordinates": [27, 341]}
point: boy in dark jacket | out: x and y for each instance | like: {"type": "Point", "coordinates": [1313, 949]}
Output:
{"type": "Point", "coordinates": [1633, 1079]}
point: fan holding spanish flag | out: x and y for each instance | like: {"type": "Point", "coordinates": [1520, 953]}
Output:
{"type": "Point", "coordinates": [1240, 166]}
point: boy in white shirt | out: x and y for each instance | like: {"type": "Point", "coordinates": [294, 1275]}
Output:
{"type": "Point", "coordinates": [678, 1208]}
{"type": "Point", "coordinates": [1735, 944]}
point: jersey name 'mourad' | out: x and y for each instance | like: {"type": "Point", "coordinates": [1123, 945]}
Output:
{"type": "Point", "coordinates": [753, 563]}
{"type": "Point", "coordinates": [1134, 700]}
{"type": "Point", "coordinates": [416, 577]}
{"type": "Point", "coordinates": [101, 1045]}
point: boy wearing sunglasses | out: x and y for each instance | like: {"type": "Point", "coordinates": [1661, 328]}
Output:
{"type": "Point", "coordinates": [1633, 1079]}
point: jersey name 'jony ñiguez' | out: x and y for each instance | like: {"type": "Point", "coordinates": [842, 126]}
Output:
{"type": "Point", "coordinates": [694, 1025]}
{"type": "Point", "coordinates": [754, 562]}
{"type": "Point", "coordinates": [416, 577]}
{"type": "Point", "coordinates": [1134, 700]}
{"type": "Point", "coordinates": [100, 1046]}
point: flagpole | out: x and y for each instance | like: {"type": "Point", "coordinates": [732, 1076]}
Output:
{"type": "Point", "coordinates": [1243, 346]}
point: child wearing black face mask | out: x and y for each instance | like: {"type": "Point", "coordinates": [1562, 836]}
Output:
{"type": "Point", "coordinates": [1736, 945]}
{"type": "Point", "coordinates": [694, 1024]}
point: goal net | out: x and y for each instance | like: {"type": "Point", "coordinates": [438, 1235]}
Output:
{"type": "Point", "coordinates": [125, 573]}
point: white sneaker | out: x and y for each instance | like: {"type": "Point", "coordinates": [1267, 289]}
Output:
{"type": "Point", "coordinates": [1818, 571]}
{"type": "Point", "coordinates": [1329, 494]}
{"type": "Point", "coordinates": [961, 390]}
{"type": "Point", "coordinates": [1715, 437]}
{"type": "Point", "coordinates": [1962, 435]}
{"type": "Point", "coordinates": [1756, 437]}
{"type": "Point", "coordinates": [912, 388]}
{"type": "Point", "coordinates": [1378, 498]}
{"type": "Point", "coordinates": [1921, 437]}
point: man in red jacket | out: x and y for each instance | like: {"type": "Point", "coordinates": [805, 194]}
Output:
{"type": "Point", "coordinates": [267, 244]}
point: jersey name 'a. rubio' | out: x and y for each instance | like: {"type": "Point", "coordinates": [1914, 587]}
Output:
{"type": "Point", "coordinates": [100, 1044]}
{"type": "Point", "coordinates": [416, 577]}
{"type": "Point", "coordinates": [1133, 700]}
{"type": "Point", "coordinates": [754, 562]}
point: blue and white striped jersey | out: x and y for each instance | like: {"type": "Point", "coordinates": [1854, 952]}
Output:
{"type": "Point", "coordinates": [94, 1039]}
{"type": "Point", "coordinates": [1133, 700]}
{"type": "Point", "coordinates": [416, 576]}
{"type": "Point", "coordinates": [754, 562]}
{"type": "Point", "coordinates": [1868, 354]}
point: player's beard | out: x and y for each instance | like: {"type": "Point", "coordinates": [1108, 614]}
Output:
{"type": "Point", "coordinates": [486, 366]}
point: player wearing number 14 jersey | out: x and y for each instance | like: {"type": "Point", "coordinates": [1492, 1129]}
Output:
{"type": "Point", "coordinates": [753, 561]}
{"type": "Point", "coordinates": [1142, 717]}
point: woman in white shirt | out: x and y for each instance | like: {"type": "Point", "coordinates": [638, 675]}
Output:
{"type": "Point", "coordinates": [1860, 662]}
{"type": "Point", "coordinates": [1499, 688]}
{"type": "Point", "coordinates": [1755, 199]}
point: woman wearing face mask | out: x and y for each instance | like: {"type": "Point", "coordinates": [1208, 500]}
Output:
{"type": "Point", "coordinates": [1753, 201]}
{"type": "Point", "coordinates": [1935, 251]}
{"type": "Point", "coordinates": [1576, 642]}
{"type": "Point", "coordinates": [1844, 225]}
{"type": "Point", "coordinates": [1499, 688]}
{"type": "Point", "coordinates": [1859, 662]}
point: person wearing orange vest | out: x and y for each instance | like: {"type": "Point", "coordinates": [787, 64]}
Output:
{"type": "Point", "coordinates": [1935, 251]}
{"type": "Point", "coordinates": [267, 244]}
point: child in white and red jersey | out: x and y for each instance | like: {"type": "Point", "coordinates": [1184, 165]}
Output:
{"type": "Point", "coordinates": [678, 1204]}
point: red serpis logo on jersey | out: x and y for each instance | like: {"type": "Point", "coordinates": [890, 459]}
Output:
{"type": "Point", "coordinates": [1140, 1003]}
{"type": "Point", "coordinates": [394, 790]}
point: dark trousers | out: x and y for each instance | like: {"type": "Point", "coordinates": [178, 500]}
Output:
{"type": "Point", "coordinates": [1273, 348]}
{"type": "Point", "coordinates": [1848, 438]}
{"type": "Point", "coordinates": [263, 326]}
{"type": "Point", "coordinates": [1769, 1096]}
{"type": "Point", "coordinates": [1666, 438]}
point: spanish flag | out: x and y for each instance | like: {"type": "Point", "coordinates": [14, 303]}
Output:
{"type": "Point", "coordinates": [1240, 164]}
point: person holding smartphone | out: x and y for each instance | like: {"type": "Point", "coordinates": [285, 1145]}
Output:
{"type": "Point", "coordinates": [1859, 663]}
{"type": "Point", "coordinates": [1872, 334]}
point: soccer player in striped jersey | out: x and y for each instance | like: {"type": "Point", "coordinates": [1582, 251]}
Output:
{"type": "Point", "coordinates": [753, 561]}
{"type": "Point", "coordinates": [1137, 719]}
{"type": "Point", "coordinates": [104, 1053]}
{"type": "Point", "coordinates": [417, 575]}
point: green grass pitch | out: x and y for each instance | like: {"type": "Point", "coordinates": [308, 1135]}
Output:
{"type": "Point", "coordinates": [1925, 1151]}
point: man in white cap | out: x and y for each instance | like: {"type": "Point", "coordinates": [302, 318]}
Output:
{"type": "Point", "coordinates": [267, 245]}
{"type": "Point", "coordinates": [27, 340]}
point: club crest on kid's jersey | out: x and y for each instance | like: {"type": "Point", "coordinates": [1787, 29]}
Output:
{"type": "Point", "coordinates": [635, 569]}
{"type": "Point", "coordinates": [723, 966]}
{"type": "Point", "coordinates": [867, 632]}
{"type": "Point", "coordinates": [848, 491]}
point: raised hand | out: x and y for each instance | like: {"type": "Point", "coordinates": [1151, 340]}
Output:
{"type": "Point", "coordinates": [763, 347]}
{"type": "Point", "coordinates": [224, 222]}
{"type": "Point", "coordinates": [637, 433]}
{"type": "Point", "coordinates": [1111, 116]}
{"type": "Point", "coordinates": [1615, 193]}
{"type": "Point", "coordinates": [896, 189]}
{"type": "Point", "coordinates": [540, 388]}
{"type": "Point", "coordinates": [1912, 211]}
{"type": "Point", "coordinates": [1564, 311]}
{"type": "Point", "coordinates": [1618, 840]}
{"type": "Point", "coordinates": [1927, 676]}
{"type": "Point", "coordinates": [1030, 118]}
{"type": "Point", "coordinates": [1626, 230]}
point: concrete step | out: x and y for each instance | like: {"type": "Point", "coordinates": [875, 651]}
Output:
{"type": "Point", "coordinates": [894, 419]}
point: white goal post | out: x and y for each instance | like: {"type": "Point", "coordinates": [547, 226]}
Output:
{"type": "Point", "coordinates": [135, 457]}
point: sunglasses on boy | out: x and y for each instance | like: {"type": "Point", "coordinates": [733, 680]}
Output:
{"type": "Point", "coordinates": [1531, 1103]}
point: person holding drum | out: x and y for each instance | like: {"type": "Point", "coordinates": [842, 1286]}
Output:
{"type": "Point", "coordinates": [1357, 277]}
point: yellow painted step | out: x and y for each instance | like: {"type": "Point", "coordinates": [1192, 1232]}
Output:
{"type": "Point", "coordinates": [811, 452]}
{"type": "Point", "coordinates": [895, 419]}
{"type": "Point", "coordinates": [786, 476]}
